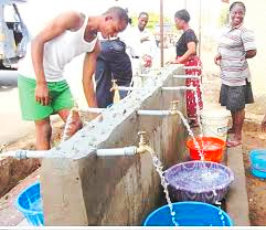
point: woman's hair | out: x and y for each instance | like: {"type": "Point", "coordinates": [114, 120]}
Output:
{"type": "Point", "coordinates": [183, 14]}
{"type": "Point", "coordinates": [237, 3]}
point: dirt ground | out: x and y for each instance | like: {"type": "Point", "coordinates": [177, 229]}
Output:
{"type": "Point", "coordinates": [254, 138]}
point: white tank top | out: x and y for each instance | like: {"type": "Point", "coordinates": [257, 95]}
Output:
{"type": "Point", "coordinates": [57, 53]}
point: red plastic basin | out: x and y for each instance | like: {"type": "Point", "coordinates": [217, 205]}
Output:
{"type": "Point", "coordinates": [212, 148]}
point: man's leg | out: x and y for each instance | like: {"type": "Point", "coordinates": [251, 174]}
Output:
{"type": "Point", "coordinates": [43, 134]}
{"type": "Point", "coordinates": [75, 123]}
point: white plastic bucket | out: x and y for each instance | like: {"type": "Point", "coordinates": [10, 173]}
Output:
{"type": "Point", "coordinates": [215, 123]}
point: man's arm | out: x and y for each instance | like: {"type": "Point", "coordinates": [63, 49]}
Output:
{"type": "Point", "coordinates": [89, 67]}
{"type": "Point", "coordinates": [60, 24]}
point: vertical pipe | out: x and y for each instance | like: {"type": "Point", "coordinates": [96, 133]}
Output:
{"type": "Point", "coordinates": [161, 33]}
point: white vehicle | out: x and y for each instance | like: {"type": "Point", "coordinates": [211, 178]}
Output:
{"type": "Point", "coordinates": [14, 34]}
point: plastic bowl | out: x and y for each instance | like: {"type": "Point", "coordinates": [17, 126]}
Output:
{"type": "Point", "coordinates": [29, 202]}
{"type": "Point", "coordinates": [203, 181]}
{"type": "Point", "coordinates": [258, 162]}
{"type": "Point", "coordinates": [189, 214]}
{"type": "Point", "coordinates": [212, 148]}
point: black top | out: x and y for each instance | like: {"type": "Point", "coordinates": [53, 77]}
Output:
{"type": "Point", "coordinates": [186, 37]}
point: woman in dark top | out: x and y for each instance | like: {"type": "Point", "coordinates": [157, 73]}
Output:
{"type": "Point", "coordinates": [186, 54]}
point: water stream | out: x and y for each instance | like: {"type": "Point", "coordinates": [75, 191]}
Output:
{"type": "Point", "coordinates": [159, 168]}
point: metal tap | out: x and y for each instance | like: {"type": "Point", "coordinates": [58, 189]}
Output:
{"type": "Point", "coordinates": [174, 107]}
{"type": "Point", "coordinates": [114, 88]}
{"type": "Point", "coordinates": [143, 142]}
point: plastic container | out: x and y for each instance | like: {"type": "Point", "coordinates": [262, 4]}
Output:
{"type": "Point", "coordinates": [213, 148]}
{"type": "Point", "coordinates": [258, 162]}
{"type": "Point", "coordinates": [189, 214]}
{"type": "Point", "coordinates": [29, 202]}
{"type": "Point", "coordinates": [215, 123]}
{"type": "Point", "coordinates": [202, 181]}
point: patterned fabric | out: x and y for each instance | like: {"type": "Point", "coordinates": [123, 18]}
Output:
{"type": "Point", "coordinates": [190, 97]}
{"type": "Point", "coordinates": [186, 37]}
{"type": "Point", "coordinates": [233, 45]}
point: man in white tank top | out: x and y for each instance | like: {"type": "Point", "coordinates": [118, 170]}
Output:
{"type": "Point", "coordinates": [42, 87]}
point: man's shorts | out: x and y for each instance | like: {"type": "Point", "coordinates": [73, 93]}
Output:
{"type": "Point", "coordinates": [59, 93]}
{"type": "Point", "coordinates": [236, 97]}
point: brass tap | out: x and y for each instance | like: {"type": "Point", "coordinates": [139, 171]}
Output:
{"type": "Point", "coordinates": [114, 88]}
{"type": "Point", "coordinates": [143, 142]}
{"type": "Point", "coordinates": [174, 107]}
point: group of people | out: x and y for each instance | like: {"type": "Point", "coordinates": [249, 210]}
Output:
{"type": "Point", "coordinates": [236, 45]}
{"type": "Point", "coordinates": [44, 91]}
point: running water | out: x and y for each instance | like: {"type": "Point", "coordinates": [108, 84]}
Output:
{"type": "Point", "coordinates": [185, 122]}
{"type": "Point", "coordinates": [203, 145]}
{"type": "Point", "coordinates": [159, 168]}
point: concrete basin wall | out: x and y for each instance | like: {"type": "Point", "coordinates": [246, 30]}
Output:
{"type": "Point", "coordinates": [83, 189]}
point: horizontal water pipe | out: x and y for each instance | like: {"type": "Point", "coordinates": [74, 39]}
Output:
{"type": "Point", "coordinates": [92, 110]}
{"type": "Point", "coordinates": [126, 151]}
{"type": "Point", "coordinates": [25, 154]}
{"type": "Point", "coordinates": [157, 112]}
{"type": "Point", "coordinates": [173, 88]}
{"type": "Point", "coordinates": [125, 88]}
{"type": "Point", "coordinates": [192, 67]}
{"type": "Point", "coordinates": [187, 76]}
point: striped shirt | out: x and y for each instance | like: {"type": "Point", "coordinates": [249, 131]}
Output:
{"type": "Point", "coordinates": [233, 45]}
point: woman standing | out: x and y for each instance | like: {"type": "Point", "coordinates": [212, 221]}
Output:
{"type": "Point", "coordinates": [186, 50]}
{"type": "Point", "coordinates": [235, 47]}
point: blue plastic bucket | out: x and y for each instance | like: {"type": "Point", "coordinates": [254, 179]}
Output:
{"type": "Point", "coordinates": [189, 214]}
{"type": "Point", "coordinates": [258, 162]}
{"type": "Point", "coordinates": [29, 202]}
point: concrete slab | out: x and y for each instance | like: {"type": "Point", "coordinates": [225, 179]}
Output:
{"type": "Point", "coordinates": [237, 199]}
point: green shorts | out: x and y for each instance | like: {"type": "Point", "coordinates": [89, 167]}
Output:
{"type": "Point", "coordinates": [59, 93]}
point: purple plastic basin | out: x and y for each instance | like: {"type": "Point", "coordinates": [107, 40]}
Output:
{"type": "Point", "coordinates": [203, 181]}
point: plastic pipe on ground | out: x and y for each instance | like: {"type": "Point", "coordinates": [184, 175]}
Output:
{"type": "Point", "coordinates": [23, 154]}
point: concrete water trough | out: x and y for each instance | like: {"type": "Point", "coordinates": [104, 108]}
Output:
{"type": "Point", "coordinates": [79, 186]}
